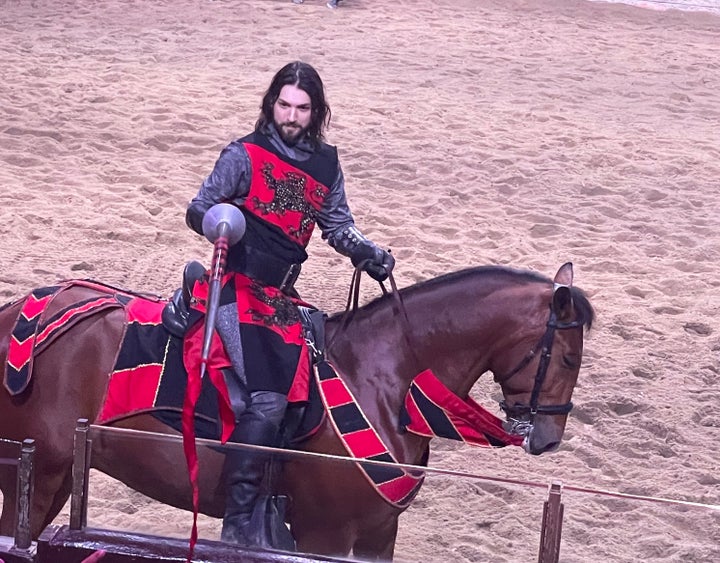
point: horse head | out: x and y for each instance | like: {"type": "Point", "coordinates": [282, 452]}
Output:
{"type": "Point", "coordinates": [537, 391]}
{"type": "Point", "coordinates": [523, 327]}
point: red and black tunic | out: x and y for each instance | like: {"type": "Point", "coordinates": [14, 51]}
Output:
{"type": "Point", "coordinates": [281, 210]}
{"type": "Point", "coordinates": [283, 202]}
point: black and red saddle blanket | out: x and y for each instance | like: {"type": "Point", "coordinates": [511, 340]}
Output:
{"type": "Point", "coordinates": [151, 366]}
{"type": "Point", "coordinates": [151, 375]}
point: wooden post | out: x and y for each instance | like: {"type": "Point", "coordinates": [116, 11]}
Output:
{"type": "Point", "coordinates": [551, 525]}
{"type": "Point", "coordinates": [80, 469]}
{"type": "Point", "coordinates": [23, 537]}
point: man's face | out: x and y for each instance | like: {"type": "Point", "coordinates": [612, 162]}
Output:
{"type": "Point", "coordinates": [292, 113]}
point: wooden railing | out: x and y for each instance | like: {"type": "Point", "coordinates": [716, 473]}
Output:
{"type": "Point", "coordinates": [549, 551]}
{"type": "Point", "coordinates": [21, 455]}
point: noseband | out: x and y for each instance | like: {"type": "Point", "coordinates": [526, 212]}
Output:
{"type": "Point", "coordinates": [545, 345]}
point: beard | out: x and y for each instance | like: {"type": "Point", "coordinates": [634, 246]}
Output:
{"type": "Point", "coordinates": [291, 132]}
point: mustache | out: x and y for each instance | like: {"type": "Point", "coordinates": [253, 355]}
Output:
{"type": "Point", "coordinates": [290, 124]}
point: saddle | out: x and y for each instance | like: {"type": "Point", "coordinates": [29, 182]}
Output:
{"type": "Point", "coordinates": [177, 317]}
{"type": "Point", "coordinates": [176, 314]}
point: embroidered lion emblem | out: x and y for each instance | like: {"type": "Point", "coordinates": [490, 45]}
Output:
{"type": "Point", "coordinates": [289, 195]}
{"type": "Point", "coordinates": [284, 313]}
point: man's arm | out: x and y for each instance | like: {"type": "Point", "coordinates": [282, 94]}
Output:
{"type": "Point", "coordinates": [229, 182]}
{"type": "Point", "coordinates": [338, 228]}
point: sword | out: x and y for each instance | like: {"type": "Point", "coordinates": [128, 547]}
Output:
{"type": "Point", "coordinates": [223, 225]}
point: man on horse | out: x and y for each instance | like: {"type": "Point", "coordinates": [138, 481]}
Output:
{"type": "Point", "coordinates": [285, 179]}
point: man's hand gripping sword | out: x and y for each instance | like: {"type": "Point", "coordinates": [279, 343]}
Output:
{"type": "Point", "coordinates": [223, 225]}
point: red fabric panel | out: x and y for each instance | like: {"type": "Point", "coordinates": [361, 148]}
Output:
{"type": "Point", "coordinates": [364, 443]}
{"type": "Point", "coordinates": [418, 424]}
{"type": "Point", "coordinates": [192, 351]}
{"type": "Point", "coordinates": [252, 310]}
{"type": "Point", "coordinates": [18, 353]}
{"type": "Point", "coordinates": [469, 418]}
{"type": "Point", "coordinates": [300, 388]}
{"type": "Point", "coordinates": [192, 393]}
{"type": "Point", "coordinates": [261, 198]}
{"type": "Point", "coordinates": [336, 393]}
{"type": "Point", "coordinates": [144, 312]}
{"type": "Point", "coordinates": [33, 306]}
{"type": "Point", "coordinates": [131, 390]}
{"type": "Point", "coordinates": [399, 488]}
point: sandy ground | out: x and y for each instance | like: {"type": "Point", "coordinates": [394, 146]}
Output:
{"type": "Point", "coordinates": [521, 133]}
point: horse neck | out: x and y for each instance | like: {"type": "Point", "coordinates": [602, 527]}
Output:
{"type": "Point", "coordinates": [452, 333]}
{"type": "Point", "coordinates": [453, 329]}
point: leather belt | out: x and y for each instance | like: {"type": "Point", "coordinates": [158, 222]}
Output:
{"type": "Point", "coordinates": [269, 270]}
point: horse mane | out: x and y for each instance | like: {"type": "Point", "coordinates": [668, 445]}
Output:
{"type": "Point", "coordinates": [486, 275]}
{"type": "Point", "coordinates": [9, 304]}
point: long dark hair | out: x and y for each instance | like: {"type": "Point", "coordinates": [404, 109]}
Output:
{"type": "Point", "coordinates": [307, 79]}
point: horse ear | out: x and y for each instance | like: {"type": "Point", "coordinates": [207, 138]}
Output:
{"type": "Point", "coordinates": [562, 302]}
{"type": "Point", "coordinates": [564, 275]}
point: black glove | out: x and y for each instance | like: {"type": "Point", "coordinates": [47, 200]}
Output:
{"type": "Point", "coordinates": [381, 265]}
{"type": "Point", "coordinates": [378, 263]}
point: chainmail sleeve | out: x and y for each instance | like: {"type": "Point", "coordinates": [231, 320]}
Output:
{"type": "Point", "coordinates": [336, 221]}
{"type": "Point", "coordinates": [229, 182]}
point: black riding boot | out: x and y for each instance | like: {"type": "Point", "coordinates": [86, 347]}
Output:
{"type": "Point", "coordinates": [244, 470]}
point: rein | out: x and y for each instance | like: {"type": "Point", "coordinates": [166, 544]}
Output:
{"type": "Point", "coordinates": [545, 347]}
{"type": "Point", "coordinates": [352, 305]}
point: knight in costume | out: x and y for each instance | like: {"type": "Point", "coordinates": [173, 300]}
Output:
{"type": "Point", "coordinates": [285, 179]}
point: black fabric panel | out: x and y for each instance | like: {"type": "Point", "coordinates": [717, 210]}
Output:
{"type": "Point", "coordinates": [349, 418]}
{"type": "Point", "coordinates": [381, 474]}
{"type": "Point", "coordinates": [325, 371]}
{"type": "Point", "coordinates": [436, 417]}
{"type": "Point", "coordinates": [143, 344]}
{"type": "Point", "coordinates": [266, 238]}
{"type": "Point", "coordinates": [45, 291]}
{"type": "Point", "coordinates": [270, 362]}
{"type": "Point", "coordinates": [24, 328]}
{"type": "Point", "coordinates": [171, 394]}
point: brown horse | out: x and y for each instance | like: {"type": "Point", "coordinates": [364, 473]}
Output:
{"type": "Point", "coordinates": [526, 329]}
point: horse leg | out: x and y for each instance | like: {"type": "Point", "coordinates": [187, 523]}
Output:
{"type": "Point", "coordinates": [49, 496]}
{"type": "Point", "coordinates": [377, 544]}
{"type": "Point", "coordinates": [50, 493]}
{"type": "Point", "coordinates": [59, 499]}
{"type": "Point", "coordinates": [8, 486]}
{"type": "Point", "coordinates": [322, 538]}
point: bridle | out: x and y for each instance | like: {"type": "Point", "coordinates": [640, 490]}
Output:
{"type": "Point", "coordinates": [518, 412]}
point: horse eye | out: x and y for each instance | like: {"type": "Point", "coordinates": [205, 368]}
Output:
{"type": "Point", "coordinates": [570, 362]}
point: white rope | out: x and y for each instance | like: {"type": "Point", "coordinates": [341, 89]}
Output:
{"type": "Point", "coordinates": [405, 466]}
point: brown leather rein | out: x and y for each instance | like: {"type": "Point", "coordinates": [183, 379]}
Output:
{"type": "Point", "coordinates": [352, 305]}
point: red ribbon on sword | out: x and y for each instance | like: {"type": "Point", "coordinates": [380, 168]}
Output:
{"type": "Point", "coordinates": [223, 225]}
